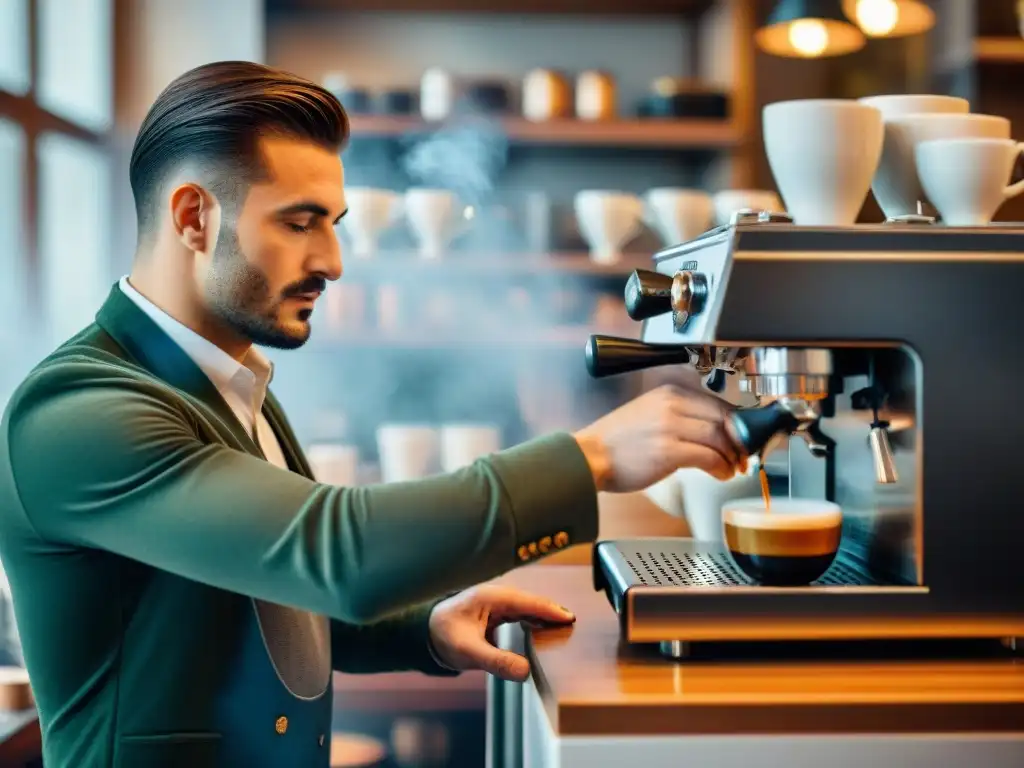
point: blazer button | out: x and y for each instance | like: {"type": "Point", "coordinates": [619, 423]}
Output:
{"type": "Point", "coordinates": [524, 553]}
{"type": "Point", "coordinates": [281, 725]}
{"type": "Point", "coordinates": [545, 545]}
{"type": "Point", "coordinates": [561, 539]}
{"type": "Point", "coordinates": [533, 549]}
{"type": "Point", "coordinates": [320, 741]}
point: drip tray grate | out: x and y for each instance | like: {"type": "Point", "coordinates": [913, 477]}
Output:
{"type": "Point", "coordinates": [661, 568]}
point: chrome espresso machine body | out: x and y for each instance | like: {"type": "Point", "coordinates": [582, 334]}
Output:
{"type": "Point", "coordinates": [886, 357]}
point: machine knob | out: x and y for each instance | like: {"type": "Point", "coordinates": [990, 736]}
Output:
{"type": "Point", "coordinates": [649, 294]}
{"type": "Point", "coordinates": [609, 355]}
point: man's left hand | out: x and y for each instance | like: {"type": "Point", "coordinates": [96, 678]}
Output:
{"type": "Point", "coordinates": [462, 628]}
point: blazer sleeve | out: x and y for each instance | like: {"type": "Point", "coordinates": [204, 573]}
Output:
{"type": "Point", "coordinates": [123, 470]}
{"type": "Point", "coordinates": [400, 642]}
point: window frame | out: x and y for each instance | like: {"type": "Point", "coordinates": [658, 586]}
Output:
{"type": "Point", "coordinates": [34, 121]}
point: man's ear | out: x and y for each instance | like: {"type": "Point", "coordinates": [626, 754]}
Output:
{"type": "Point", "coordinates": [195, 214]}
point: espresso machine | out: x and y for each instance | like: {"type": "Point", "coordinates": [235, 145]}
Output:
{"type": "Point", "coordinates": [883, 360]}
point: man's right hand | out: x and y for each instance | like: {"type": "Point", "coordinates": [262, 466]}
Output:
{"type": "Point", "coordinates": [663, 430]}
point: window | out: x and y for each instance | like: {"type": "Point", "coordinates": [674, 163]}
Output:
{"type": "Point", "coordinates": [12, 172]}
{"type": "Point", "coordinates": [75, 75]}
{"type": "Point", "coordinates": [74, 195]}
{"type": "Point", "coordinates": [14, 54]}
{"type": "Point", "coordinates": [12, 223]}
{"type": "Point", "coordinates": [56, 110]}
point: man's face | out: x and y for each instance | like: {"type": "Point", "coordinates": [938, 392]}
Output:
{"type": "Point", "coordinates": [277, 250]}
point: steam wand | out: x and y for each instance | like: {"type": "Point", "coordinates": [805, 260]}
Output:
{"type": "Point", "coordinates": [873, 397]}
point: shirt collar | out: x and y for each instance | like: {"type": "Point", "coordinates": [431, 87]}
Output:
{"type": "Point", "coordinates": [224, 371]}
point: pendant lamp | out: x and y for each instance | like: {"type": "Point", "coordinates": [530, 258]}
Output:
{"type": "Point", "coordinates": [890, 18]}
{"type": "Point", "coordinates": [809, 29]}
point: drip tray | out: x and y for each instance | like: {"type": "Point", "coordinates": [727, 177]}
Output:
{"type": "Point", "coordinates": [668, 589]}
{"type": "Point", "coordinates": [660, 564]}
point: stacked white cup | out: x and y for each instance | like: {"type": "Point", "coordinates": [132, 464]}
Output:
{"type": "Point", "coordinates": [937, 153]}
{"type": "Point", "coordinates": [823, 154]}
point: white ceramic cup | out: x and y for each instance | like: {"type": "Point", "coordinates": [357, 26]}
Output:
{"type": "Point", "coordinates": [967, 180]}
{"type": "Point", "coordinates": [678, 215]}
{"type": "Point", "coordinates": [334, 463]}
{"type": "Point", "coordinates": [607, 220]}
{"type": "Point", "coordinates": [407, 451]}
{"type": "Point", "coordinates": [462, 444]}
{"type": "Point", "coordinates": [896, 186]}
{"type": "Point", "coordinates": [728, 201]}
{"type": "Point", "coordinates": [697, 496]}
{"type": "Point", "coordinates": [823, 154]}
{"type": "Point", "coordinates": [370, 212]}
{"type": "Point", "coordinates": [904, 132]}
{"type": "Point", "coordinates": [436, 217]}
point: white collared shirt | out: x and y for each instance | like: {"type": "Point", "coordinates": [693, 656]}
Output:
{"type": "Point", "coordinates": [243, 387]}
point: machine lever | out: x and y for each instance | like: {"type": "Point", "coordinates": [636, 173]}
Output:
{"type": "Point", "coordinates": [610, 355]}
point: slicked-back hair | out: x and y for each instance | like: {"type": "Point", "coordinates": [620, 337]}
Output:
{"type": "Point", "coordinates": [214, 115]}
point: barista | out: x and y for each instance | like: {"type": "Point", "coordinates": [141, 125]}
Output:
{"type": "Point", "coordinates": [183, 587]}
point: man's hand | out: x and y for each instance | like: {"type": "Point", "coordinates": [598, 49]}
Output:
{"type": "Point", "coordinates": [663, 430]}
{"type": "Point", "coordinates": [462, 628]}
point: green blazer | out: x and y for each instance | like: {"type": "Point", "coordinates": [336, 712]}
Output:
{"type": "Point", "coordinates": [182, 602]}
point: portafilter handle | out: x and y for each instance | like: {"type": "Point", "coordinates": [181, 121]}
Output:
{"type": "Point", "coordinates": [751, 429]}
{"type": "Point", "coordinates": [610, 355]}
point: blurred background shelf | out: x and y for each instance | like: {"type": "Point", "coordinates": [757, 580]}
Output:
{"type": "Point", "coordinates": [405, 265]}
{"type": "Point", "coordinates": [609, 7]}
{"type": "Point", "coordinates": [547, 337]}
{"type": "Point", "coordinates": [1006, 50]}
{"type": "Point", "coordinates": [663, 133]}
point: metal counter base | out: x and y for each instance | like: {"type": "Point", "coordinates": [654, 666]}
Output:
{"type": "Point", "coordinates": [520, 735]}
{"type": "Point", "coordinates": [543, 748]}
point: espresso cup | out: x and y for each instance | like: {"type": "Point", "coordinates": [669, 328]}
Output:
{"type": "Point", "coordinates": [436, 217]}
{"type": "Point", "coordinates": [370, 212]}
{"type": "Point", "coordinates": [823, 154]}
{"type": "Point", "coordinates": [904, 132]}
{"type": "Point", "coordinates": [678, 215]}
{"type": "Point", "coordinates": [607, 220]}
{"type": "Point", "coordinates": [463, 444]}
{"type": "Point", "coordinates": [967, 180]}
{"type": "Point", "coordinates": [896, 186]}
{"type": "Point", "coordinates": [407, 451]}
{"type": "Point", "coordinates": [790, 545]}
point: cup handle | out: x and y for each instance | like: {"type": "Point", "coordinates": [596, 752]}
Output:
{"type": "Point", "coordinates": [464, 223]}
{"type": "Point", "coordinates": [1017, 187]}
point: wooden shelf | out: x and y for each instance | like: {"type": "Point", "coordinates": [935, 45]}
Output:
{"type": "Point", "coordinates": [1006, 50]}
{"type": "Point", "coordinates": [587, 7]}
{"type": "Point", "coordinates": [650, 133]}
{"type": "Point", "coordinates": [400, 266]}
{"type": "Point", "coordinates": [565, 337]}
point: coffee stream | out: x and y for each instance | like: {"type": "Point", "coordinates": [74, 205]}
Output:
{"type": "Point", "coordinates": [765, 493]}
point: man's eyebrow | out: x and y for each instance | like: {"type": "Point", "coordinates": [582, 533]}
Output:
{"type": "Point", "coordinates": [341, 216]}
{"type": "Point", "coordinates": [304, 207]}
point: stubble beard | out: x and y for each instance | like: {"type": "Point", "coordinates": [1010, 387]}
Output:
{"type": "Point", "coordinates": [238, 294]}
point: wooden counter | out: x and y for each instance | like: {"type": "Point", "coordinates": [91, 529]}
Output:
{"type": "Point", "coordinates": [591, 689]}
{"type": "Point", "coordinates": [20, 739]}
{"type": "Point", "coordinates": [621, 516]}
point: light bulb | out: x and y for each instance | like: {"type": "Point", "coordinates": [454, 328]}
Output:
{"type": "Point", "coordinates": [877, 18]}
{"type": "Point", "coordinates": [809, 37]}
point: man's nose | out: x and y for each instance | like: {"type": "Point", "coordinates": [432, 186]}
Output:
{"type": "Point", "coordinates": [327, 261]}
